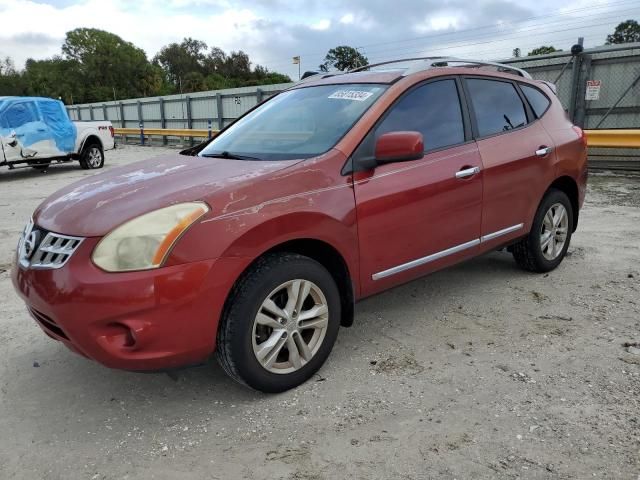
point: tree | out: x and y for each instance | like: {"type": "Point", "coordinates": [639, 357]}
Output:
{"type": "Point", "coordinates": [343, 58]}
{"type": "Point", "coordinates": [626, 32]}
{"type": "Point", "coordinates": [179, 59]}
{"type": "Point", "coordinates": [517, 53]}
{"type": "Point", "coordinates": [107, 62]}
{"type": "Point", "coordinates": [56, 77]}
{"type": "Point", "coordinates": [543, 50]}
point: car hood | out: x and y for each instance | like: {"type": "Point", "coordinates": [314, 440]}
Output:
{"type": "Point", "coordinates": [94, 206]}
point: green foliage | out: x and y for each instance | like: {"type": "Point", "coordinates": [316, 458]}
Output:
{"type": "Point", "coordinates": [626, 32]}
{"type": "Point", "coordinates": [543, 50]}
{"type": "Point", "coordinates": [96, 64]}
{"type": "Point", "coordinates": [190, 67]}
{"type": "Point", "coordinates": [343, 58]}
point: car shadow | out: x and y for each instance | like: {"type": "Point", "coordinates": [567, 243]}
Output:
{"type": "Point", "coordinates": [21, 173]}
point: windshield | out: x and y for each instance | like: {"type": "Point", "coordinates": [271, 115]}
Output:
{"type": "Point", "coordinates": [296, 124]}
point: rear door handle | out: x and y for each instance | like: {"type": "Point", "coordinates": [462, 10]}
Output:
{"type": "Point", "coordinates": [544, 151]}
{"type": "Point", "coordinates": [468, 172]}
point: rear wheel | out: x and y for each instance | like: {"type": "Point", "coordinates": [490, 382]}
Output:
{"type": "Point", "coordinates": [92, 156]}
{"type": "Point", "coordinates": [546, 245]}
{"type": "Point", "coordinates": [280, 323]}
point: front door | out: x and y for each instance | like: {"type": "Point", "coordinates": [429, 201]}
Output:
{"type": "Point", "coordinates": [23, 134]}
{"type": "Point", "coordinates": [420, 215]}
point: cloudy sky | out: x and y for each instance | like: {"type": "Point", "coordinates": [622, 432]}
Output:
{"type": "Point", "coordinates": [272, 31]}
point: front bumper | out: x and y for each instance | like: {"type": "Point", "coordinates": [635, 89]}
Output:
{"type": "Point", "coordinates": [146, 320]}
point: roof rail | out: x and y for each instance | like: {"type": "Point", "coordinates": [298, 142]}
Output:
{"type": "Point", "coordinates": [434, 62]}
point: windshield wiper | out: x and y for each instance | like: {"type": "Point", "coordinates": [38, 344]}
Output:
{"type": "Point", "coordinates": [230, 156]}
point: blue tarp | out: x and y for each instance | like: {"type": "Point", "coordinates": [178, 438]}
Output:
{"type": "Point", "coordinates": [36, 120]}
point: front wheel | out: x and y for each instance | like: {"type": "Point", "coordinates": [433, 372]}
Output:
{"type": "Point", "coordinates": [547, 243]}
{"type": "Point", "coordinates": [280, 323]}
{"type": "Point", "coordinates": [92, 156]}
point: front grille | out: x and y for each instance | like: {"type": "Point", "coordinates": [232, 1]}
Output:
{"type": "Point", "coordinates": [52, 252]}
{"type": "Point", "coordinates": [47, 323]}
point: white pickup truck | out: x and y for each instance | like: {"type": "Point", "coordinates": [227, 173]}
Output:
{"type": "Point", "coordinates": [37, 131]}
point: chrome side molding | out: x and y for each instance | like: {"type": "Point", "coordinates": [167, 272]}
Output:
{"type": "Point", "coordinates": [444, 253]}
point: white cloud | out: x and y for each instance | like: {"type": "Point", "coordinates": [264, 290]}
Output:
{"type": "Point", "coordinates": [323, 24]}
{"type": "Point", "coordinates": [145, 26]}
{"type": "Point", "coordinates": [348, 18]}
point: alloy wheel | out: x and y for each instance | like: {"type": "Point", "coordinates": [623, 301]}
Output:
{"type": "Point", "coordinates": [554, 230]}
{"type": "Point", "coordinates": [290, 326]}
{"type": "Point", "coordinates": [95, 157]}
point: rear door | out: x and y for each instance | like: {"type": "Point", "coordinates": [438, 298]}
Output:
{"type": "Point", "coordinates": [517, 155]}
{"type": "Point", "coordinates": [420, 215]}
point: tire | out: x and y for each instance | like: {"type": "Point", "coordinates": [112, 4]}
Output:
{"type": "Point", "coordinates": [92, 156]}
{"type": "Point", "coordinates": [242, 338]}
{"type": "Point", "coordinates": [542, 250]}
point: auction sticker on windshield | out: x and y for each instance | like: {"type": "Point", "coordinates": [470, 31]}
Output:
{"type": "Point", "coordinates": [356, 95]}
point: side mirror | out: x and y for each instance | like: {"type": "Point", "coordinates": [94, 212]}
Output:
{"type": "Point", "coordinates": [399, 147]}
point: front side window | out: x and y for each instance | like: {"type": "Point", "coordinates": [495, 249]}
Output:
{"type": "Point", "coordinates": [296, 124]}
{"type": "Point", "coordinates": [19, 114]}
{"type": "Point", "coordinates": [432, 109]}
{"type": "Point", "coordinates": [538, 100]}
{"type": "Point", "coordinates": [496, 105]}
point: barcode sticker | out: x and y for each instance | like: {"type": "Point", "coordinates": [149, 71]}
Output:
{"type": "Point", "coordinates": [357, 95]}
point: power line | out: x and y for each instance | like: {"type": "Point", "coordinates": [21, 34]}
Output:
{"type": "Point", "coordinates": [534, 28]}
{"type": "Point", "coordinates": [558, 14]}
{"type": "Point", "coordinates": [514, 37]}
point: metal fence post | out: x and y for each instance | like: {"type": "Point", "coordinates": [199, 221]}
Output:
{"type": "Point", "coordinates": [91, 112]}
{"type": "Point", "coordinates": [123, 123]}
{"type": "Point", "coordinates": [163, 121]}
{"type": "Point", "coordinates": [105, 115]}
{"type": "Point", "coordinates": [141, 133]}
{"type": "Point", "coordinates": [575, 82]}
{"type": "Point", "coordinates": [189, 121]}
{"type": "Point", "coordinates": [209, 128]}
{"type": "Point", "coordinates": [219, 108]}
{"type": "Point", "coordinates": [259, 95]}
{"type": "Point", "coordinates": [79, 113]}
{"type": "Point", "coordinates": [581, 102]}
{"type": "Point", "coordinates": [141, 121]}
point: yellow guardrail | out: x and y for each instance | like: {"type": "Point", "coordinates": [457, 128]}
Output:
{"type": "Point", "coordinates": [167, 132]}
{"type": "Point", "coordinates": [613, 138]}
{"type": "Point", "coordinates": [595, 138]}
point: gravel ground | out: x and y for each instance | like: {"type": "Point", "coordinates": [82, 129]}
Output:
{"type": "Point", "coordinates": [479, 371]}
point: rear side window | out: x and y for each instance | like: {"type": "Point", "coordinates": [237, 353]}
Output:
{"type": "Point", "coordinates": [432, 109]}
{"type": "Point", "coordinates": [496, 105]}
{"type": "Point", "coordinates": [538, 100]}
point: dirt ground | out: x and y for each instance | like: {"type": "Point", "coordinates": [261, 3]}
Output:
{"type": "Point", "coordinates": [479, 371]}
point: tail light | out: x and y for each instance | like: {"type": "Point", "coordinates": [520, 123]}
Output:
{"type": "Point", "coordinates": [112, 131]}
{"type": "Point", "coordinates": [581, 134]}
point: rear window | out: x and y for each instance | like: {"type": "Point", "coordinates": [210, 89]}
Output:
{"type": "Point", "coordinates": [538, 100]}
{"type": "Point", "coordinates": [496, 105]}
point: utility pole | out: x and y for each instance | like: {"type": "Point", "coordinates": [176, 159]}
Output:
{"type": "Point", "coordinates": [296, 61]}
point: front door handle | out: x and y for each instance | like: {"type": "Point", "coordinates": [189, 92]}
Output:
{"type": "Point", "coordinates": [468, 172]}
{"type": "Point", "coordinates": [544, 151]}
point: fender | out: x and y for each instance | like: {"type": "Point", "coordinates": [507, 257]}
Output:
{"type": "Point", "coordinates": [83, 141]}
{"type": "Point", "coordinates": [250, 242]}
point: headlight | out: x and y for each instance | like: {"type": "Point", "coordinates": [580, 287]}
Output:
{"type": "Point", "coordinates": [145, 241]}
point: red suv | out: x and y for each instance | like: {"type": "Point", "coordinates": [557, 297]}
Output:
{"type": "Point", "coordinates": [256, 245]}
